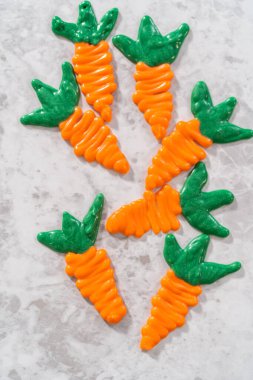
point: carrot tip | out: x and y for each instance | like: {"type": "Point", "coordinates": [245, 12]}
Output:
{"type": "Point", "coordinates": [116, 317]}
{"type": "Point", "coordinates": [146, 343]}
{"type": "Point", "coordinates": [159, 131]}
{"type": "Point", "coordinates": [110, 227]}
{"type": "Point", "coordinates": [122, 167]}
{"type": "Point", "coordinates": [69, 271]}
{"type": "Point", "coordinates": [106, 114]}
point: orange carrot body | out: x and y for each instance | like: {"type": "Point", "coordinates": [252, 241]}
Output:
{"type": "Point", "coordinates": [152, 96]}
{"type": "Point", "coordinates": [154, 211]}
{"type": "Point", "coordinates": [94, 73]}
{"type": "Point", "coordinates": [179, 151]}
{"type": "Point", "coordinates": [169, 308]}
{"type": "Point", "coordinates": [93, 140]}
{"type": "Point", "coordinates": [95, 280]}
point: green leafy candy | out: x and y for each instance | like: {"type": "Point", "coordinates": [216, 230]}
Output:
{"type": "Point", "coordinates": [214, 120]}
{"type": "Point", "coordinates": [151, 47]}
{"type": "Point", "coordinates": [87, 29]}
{"type": "Point", "coordinates": [75, 236]}
{"type": "Point", "coordinates": [57, 105]}
{"type": "Point", "coordinates": [189, 265]}
{"type": "Point", "coordinates": [196, 205]}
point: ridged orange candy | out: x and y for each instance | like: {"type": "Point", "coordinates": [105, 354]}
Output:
{"type": "Point", "coordinates": [95, 280]}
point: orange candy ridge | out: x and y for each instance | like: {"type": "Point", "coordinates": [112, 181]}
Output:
{"type": "Point", "coordinates": [179, 151]}
{"type": "Point", "coordinates": [156, 211]}
{"type": "Point", "coordinates": [169, 308]}
{"type": "Point", "coordinates": [152, 96]}
{"type": "Point", "coordinates": [95, 280]}
{"type": "Point", "coordinates": [93, 140]}
{"type": "Point", "coordinates": [94, 73]}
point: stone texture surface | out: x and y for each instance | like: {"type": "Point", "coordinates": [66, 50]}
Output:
{"type": "Point", "coordinates": [47, 330]}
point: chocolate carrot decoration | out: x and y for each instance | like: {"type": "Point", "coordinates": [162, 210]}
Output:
{"type": "Point", "coordinates": [89, 265]}
{"type": "Point", "coordinates": [159, 211]}
{"type": "Point", "coordinates": [92, 59]}
{"type": "Point", "coordinates": [153, 53]}
{"type": "Point", "coordinates": [85, 131]}
{"type": "Point", "coordinates": [183, 148]}
{"type": "Point", "coordinates": [181, 287]}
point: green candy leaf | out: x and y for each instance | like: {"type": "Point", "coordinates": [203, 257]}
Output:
{"type": "Point", "coordinates": [92, 219]}
{"type": "Point", "coordinates": [151, 47]}
{"type": "Point", "coordinates": [107, 24]}
{"type": "Point", "coordinates": [196, 205]}
{"type": "Point", "coordinates": [148, 28]}
{"type": "Point", "coordinates": [129, 48]}
{"type": "Point", "coordinates": [214, 120]}
{"type": "Point", "coordinates": [55, 240]}
{"type": "Point", "coordinates": [57, 105]}
{"type": "Point", "coordinates": [75, 236]}
{"type": "Point", "coordinates": [188, 263]}
{"type": "Point", "coordinates": [87, 16]}
{"type": "Point", "coordinates": [70, 226]}
{"type": "Point", "coordinates": [86, 29]}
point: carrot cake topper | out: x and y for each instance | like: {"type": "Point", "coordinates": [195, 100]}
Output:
{"type": "Point", "coordinates": [153, 53]}
{"type": "Point", "coordinates": [89, 265]}
{"type": "Point", "coordinates": [182, 148]}
{"type": "Point", "coordinates": [92, 59]}
{"type": "Point", "coordinates": [158, 211]}
{"type": "Point", "coordinates": [181, 287]}
{"type": "Point", "coordinates": [85, 131]}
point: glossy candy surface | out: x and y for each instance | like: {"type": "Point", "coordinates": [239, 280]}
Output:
{"type": "Point", "coordinates": [86, 132]}
{"type": "Point", "coordinates": [179, 151]}
{"type": "Point", "coordinates": [153, 54]}
{"type": "Point", "coordinates": [94, 73]}
{"type": "Point", "coordinates": [57, 105]}
{"type": "Point", "coordinates": [189, 263]}
{"type": "Point", "coordinates": [151, 47]}
{"type": "Point", "coordinates": [93, 140]}
{"type": "Point", "coordinates": [196, 205]}
{"type": "Point", "coordinates": [169, 308]}
{"type": "Point", "coordinates": [95, 280]}
{"type": "Point", "coordinates": [180, 287]}
{"type": "Point", "coordinates": [89, 265]}
{"type": "Point", "coordinates": [152, 96]}
{"type": "Point", "coordinates": [214, 120]}
{"type": "Point", "coordinates": [75, 236]}
{"type": "Point", "coordinates": [86, 29]}
{"type": "Point", "coordinates": [92, 59]}
{"type": "Point", "coordinates": [156, 211]}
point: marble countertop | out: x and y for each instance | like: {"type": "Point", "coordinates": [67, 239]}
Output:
{"type": "Point", "coordinates": [47, 330]}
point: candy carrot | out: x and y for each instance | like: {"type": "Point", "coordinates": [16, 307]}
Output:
{"type": "Point", "coordinates": [153, 53]}
{"type": "Point", "coordinates": [181, 287]}
{"type": "Point", "coordinates": [92, 59]}
{"type": "Point", "coordinates": [154, 211]}
{"type": "Point", "coordinates": [89, 265]}
{"type": "Point", "coordinates": [181, 150]}
{"type": "Point", "coordinates": [158, 211]}
{"type": "Point", "coordinates": [85, 131]}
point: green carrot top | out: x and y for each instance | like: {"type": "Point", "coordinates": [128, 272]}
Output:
{"type": "Point", "coordinates": [86, 29]}
{"type": "Point", "coordinates": [75, 236]}
{"type": "Point", "coordinates": [57, 105]}
{"type": "Point", "coordinates": [189, 265]}
{"type": "Point", "coordinates": [196, 204]}
{"type": "Point", "coordinates": [151, 47]}
{"type": "Point", "coordinates": [214, 120]}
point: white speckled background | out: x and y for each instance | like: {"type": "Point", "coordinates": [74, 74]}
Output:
{"type": "Point", "coordinates": [47, 330]}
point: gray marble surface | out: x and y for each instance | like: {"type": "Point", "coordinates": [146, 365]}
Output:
{"type": "Point", "coordinates": [47, 330]}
